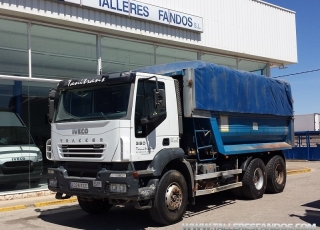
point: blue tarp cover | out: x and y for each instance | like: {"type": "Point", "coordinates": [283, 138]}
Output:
{"type": "Point", "coordinates": [221, 89]}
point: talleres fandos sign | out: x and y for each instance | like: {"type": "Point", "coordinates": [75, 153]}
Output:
{"type": "Point", "coordinates": [145, 11]}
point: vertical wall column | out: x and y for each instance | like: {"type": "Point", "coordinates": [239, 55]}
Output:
{"type": "Point", "coordinates": [29, 49]}
{"type": "Point", "coordinates": [199, 54]}
{"type": "Point", "coordinates": [17, 97]}
{"type": "Point", "coordinates": [237, 62]}
{"type": "Point", "coordinates": [155, 54]}
{"type": "Point", "coordinates": [268, 72]}
{"type": "Point", "coordinates": [98, 45]}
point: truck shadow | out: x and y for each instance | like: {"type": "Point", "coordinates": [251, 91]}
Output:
{"type": "Point", "coordinates": [314, 204]}
{"type": "Point", "coordinates": [311, 216]}
{"type": "Point", "coordinates": [125, 217]}
{"type": "Point", "coordinates": [116, 218]}
{"type": "Point", "coordinates": [210, 202]}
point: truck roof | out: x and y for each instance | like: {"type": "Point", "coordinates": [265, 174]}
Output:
{"type": "Point", "coordinates": [108, 79]}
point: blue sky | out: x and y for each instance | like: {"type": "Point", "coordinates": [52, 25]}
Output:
{"type": "Point", "coordinates": [305, 87]}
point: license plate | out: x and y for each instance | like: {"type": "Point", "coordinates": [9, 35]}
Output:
{"type": "Point", "coordinates": [97, 184]}
{"type": "Point", "coordinates": [78, 185]}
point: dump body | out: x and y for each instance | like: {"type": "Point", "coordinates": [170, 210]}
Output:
{"type": "Point", "coordinates": [246, 112]}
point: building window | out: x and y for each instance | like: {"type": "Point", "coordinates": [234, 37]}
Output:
{"type": "Point", "coordinates": [252, 66]}
{"type": "Point", "coordinates": [259, 68]}
{"type": "Point", "coordinates": [60, 53]}
{"type": "Point", "coordinates": [168, 54]}
{"type": "Point", "coordinates": [25, 129]}
{"type": "Point", "coordinates": [122, 55]}
{"type": "Point", "coordinates": [220, 60]}
{"type": "Point", "coordinates": [13, 48]}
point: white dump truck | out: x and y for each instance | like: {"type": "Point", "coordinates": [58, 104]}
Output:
{"type": "Point", "coordinates": [160, 136]}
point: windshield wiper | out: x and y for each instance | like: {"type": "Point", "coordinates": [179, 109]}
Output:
{"type": "Point", "coordinates": [95, 115]}
{"type": "Point", "coordinates": [102, 114]}
{"type": "Point", "coordinates": [69, 119]}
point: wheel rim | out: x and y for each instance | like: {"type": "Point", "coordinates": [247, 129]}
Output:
{"type": "Point", "coordinates": [279, 174]}
{"type": "Point", "coordinates": [258, 178]}
{"type": "Point", "coordinates": [173, 197]}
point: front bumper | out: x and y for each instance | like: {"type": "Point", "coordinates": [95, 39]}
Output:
{"type": "Point", "coordinates": [99, 187]}
{"type": "Point", "coordinates": [21, 174]}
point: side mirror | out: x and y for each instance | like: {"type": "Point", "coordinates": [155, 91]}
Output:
{"type": "Point", "coordinates": [52, 95]}
{"type": "Point", "coordinates": [159, 98]}
{"type": "Point", "coordinates": [152, 120]}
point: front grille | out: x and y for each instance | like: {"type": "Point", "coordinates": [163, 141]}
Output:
{"type": "Point", "coordinates": [7, 171]}
{"type": "Point", "coordinates": [17, 163]}
{"type": "Point", "coordinates": [82, 169]}
{"type": "Point", "coordinates": [82, 174]}
{"type": "Point", "coordinates": [83, 155]}
{"type": "Point", "coordinates": [76, 166]}
{"type": "Point", "coordinates": [15, 167]}
{"type": "Point", "coordinates": [82, 151]}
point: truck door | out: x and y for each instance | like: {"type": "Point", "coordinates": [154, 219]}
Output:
{"type": "Point", "coordinates": [151, 126]}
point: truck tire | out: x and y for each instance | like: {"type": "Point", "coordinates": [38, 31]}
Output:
{"type": "Point", "coordinates": [94, 206]}
{"type": "Point", "coordinates": [276, 174]}
{"type": "Point", "coordinates": [254, 180]}
{"type": "Point", "coordinates": [171, 199]}
{"type": "Point", "coordinates": [237, 192]}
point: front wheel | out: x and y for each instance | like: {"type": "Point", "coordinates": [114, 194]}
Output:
{"type": "Point", "coordinates": [254, 180]}
{"type": "Point", "coordinates": [170, 201]}
{"type": "Point", "coordinates": [276, 174]}
{"type": "Point", "coordinates": [94, 206]}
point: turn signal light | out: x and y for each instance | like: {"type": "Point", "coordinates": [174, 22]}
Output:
{"type": "Point", "coordinates": [135, 174]}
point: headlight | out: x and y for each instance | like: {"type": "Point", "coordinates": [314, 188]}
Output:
{"type": "Point", "coordinates": [118, 175]}
{"type": "Point", "coordinates": [48, 150]}
{"type": "Point", "coordinates": [39, 156]}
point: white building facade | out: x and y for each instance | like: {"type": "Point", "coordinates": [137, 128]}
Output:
{"type": "Point", "coordinates": [44, 41]}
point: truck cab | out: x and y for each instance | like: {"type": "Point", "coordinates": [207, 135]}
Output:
{"type": "Point", "coordinates": [116, 122]}
{"type": "Point", "coordinates": [113, 126]}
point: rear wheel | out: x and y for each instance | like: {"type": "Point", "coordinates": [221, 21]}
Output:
{"type": "Point", "coordinates": [94, 206]}
{"type": "Point", "coordinates": [171, 199]}
{"type": "Point", "coordinates": [276, 174]}
{"type": "Point", "coordinates": [254, 180]}
{"type": "Point", "coordinates": [237, 192]}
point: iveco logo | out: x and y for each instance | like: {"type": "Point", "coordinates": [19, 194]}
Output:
{"type": "Point", "coordinates": [80, 131]}
{"type": "Point", "coordinates": [18, 158]}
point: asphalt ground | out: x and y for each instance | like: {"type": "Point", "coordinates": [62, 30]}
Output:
{"type": "Point", "coordinates": [293, 167]}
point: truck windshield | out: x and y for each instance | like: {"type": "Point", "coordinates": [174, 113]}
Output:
{"type": "Point", "coordinates": [103, 103]}
{"type": "Point", "coordinates": [12, 130]}
{"type": "Point", "coordinates": [14, 136]}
